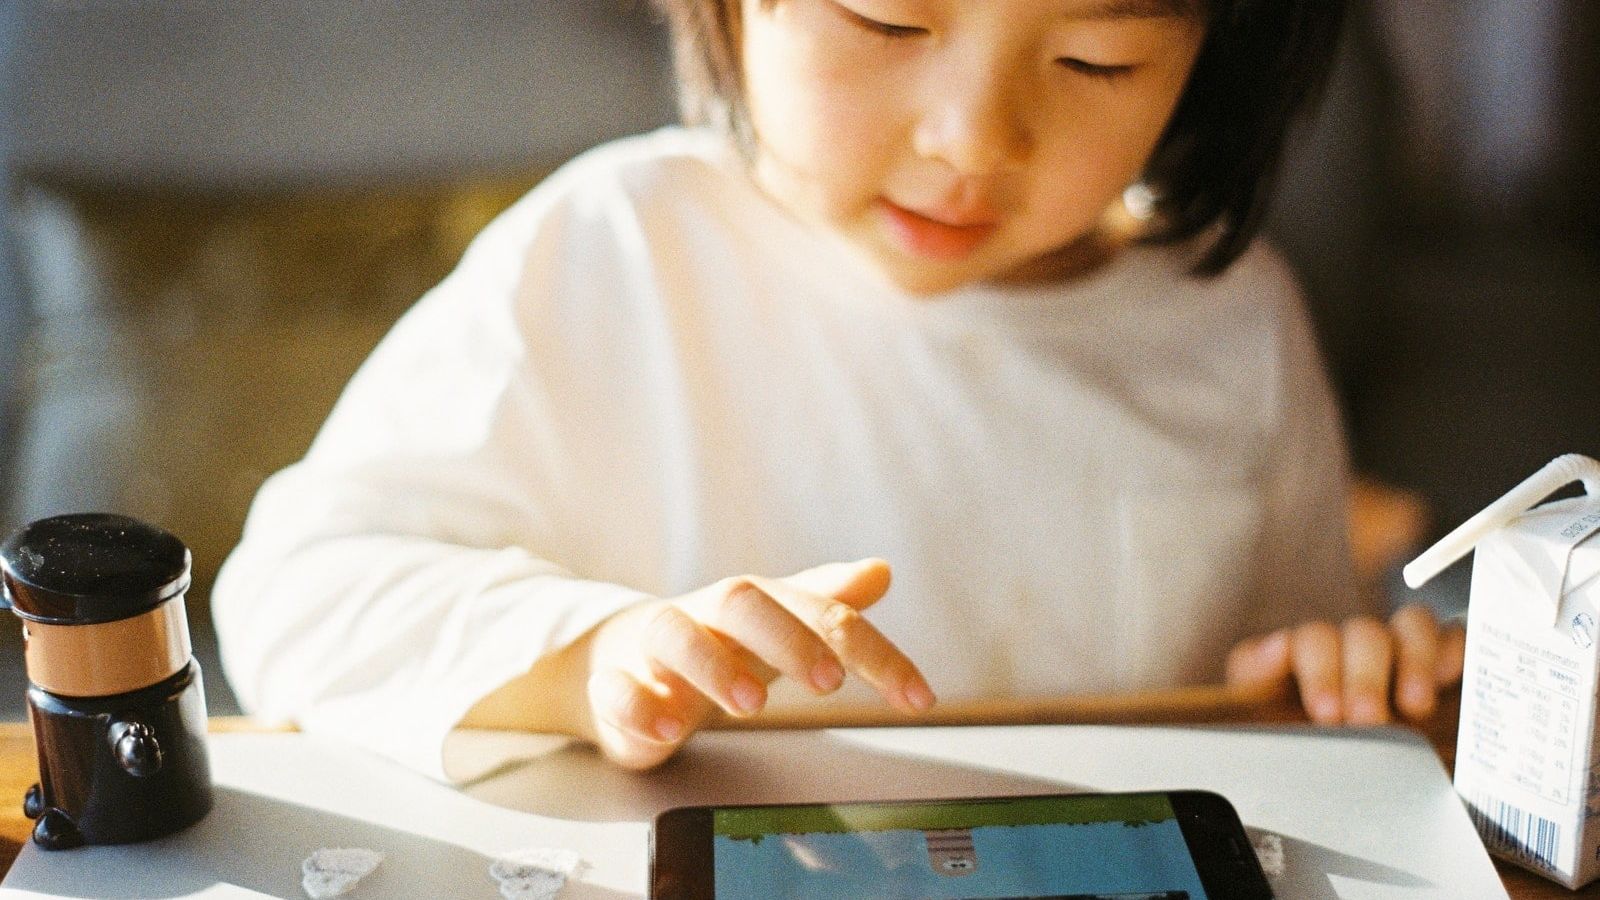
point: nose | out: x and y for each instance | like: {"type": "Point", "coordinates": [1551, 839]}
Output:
{"type": "Point", "coordinates": [977, 125]}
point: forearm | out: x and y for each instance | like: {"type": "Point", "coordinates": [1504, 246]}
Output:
{"type": "Point", "coordinates": [388, 640]}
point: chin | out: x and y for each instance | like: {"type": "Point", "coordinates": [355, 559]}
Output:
{"type": "Point", "coordinates": [926, 284]}
{"type": "Point", "coordinates": [923, 278]}
{"type": "Point", "coordinates": [928, 277]}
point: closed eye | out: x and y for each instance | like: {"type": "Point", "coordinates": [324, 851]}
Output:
{"type": "Point", "coordinates": [886, 29]}
{"type": "Point", "coordinates": [1096, 70]}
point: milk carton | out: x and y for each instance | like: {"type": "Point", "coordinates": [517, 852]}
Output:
{"type": "Point", "coordinates": [1527, 758]}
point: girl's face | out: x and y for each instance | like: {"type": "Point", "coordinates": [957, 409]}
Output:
{"type": "Point", "coordinates": [954, 141]}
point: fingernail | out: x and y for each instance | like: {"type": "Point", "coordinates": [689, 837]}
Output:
{"type": "Point", "coordinates": [1273, 645]}
{"type": "Point", "coordinates": [918, 695]}
{"type": "Point", "coordinates": [746, 696]}
{"type": "Point", "coordinates": [669, 729]}
{"type": "Point", "coordinates": [1325, 708]}
{"type": "Point", "coordinates": [827, 674]}
{"type": "Point", "coordinates": [1419, 695]}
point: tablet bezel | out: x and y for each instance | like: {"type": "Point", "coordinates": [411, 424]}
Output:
{"type": "Point", "coordinates": [681, 845]}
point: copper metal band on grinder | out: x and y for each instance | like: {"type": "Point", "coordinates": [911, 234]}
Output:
{"type": "Point", "coordinates": [109, 657]}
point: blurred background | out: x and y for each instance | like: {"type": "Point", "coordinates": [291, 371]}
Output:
{"type": "Point", "coordinates": [213, 210]}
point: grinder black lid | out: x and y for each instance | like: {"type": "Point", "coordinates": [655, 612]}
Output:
{"type": "Point", "coordinates": [85, 568]}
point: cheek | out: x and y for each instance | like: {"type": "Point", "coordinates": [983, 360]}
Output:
{"type": "Point", "coordinates": [1094, 157]}
{"type": "Point", "coordinates": [813, 110]}
{"type": "Point", "coordinates": [1067, 195]}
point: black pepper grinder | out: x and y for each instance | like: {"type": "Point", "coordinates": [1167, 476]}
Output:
{"type": "Point", "coordinates": [114, 693]}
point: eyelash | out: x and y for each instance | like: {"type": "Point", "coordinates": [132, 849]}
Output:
{"type": "Point", "coordinates": [891, 31]}
{"type": "Point", "coordinates": [883, 28]}
{"type": "Point", "coordinates": [1093, 70]}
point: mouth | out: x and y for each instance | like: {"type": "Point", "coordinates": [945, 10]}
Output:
{"type": "Point", "coordinates": [936, 235]}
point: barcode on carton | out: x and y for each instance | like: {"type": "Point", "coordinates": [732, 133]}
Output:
{"type": "Point", "coordinates": [1514, 832]}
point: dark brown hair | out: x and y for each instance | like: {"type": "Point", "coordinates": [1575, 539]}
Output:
{"type": "Point", "coordinates": [1261, 64]}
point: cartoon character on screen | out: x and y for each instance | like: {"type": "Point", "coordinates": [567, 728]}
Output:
{"type": "Point", "coordinates": [950, 851]}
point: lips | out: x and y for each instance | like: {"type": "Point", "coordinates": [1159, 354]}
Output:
{"type": "Point", "coordinates": [940, 235]}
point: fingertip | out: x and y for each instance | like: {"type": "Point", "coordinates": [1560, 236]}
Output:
{"type": "Point", "coordinates": [1244, 672]}
{"type": "Point", "coordinates": [859, 584]}
{"type": "Point", "coordinates": [1324, 707]}
{"type": "Point", "coordinates": [626, 705]}
{"type": "Point", "coordinates": [827, 675]}
{"type": "Point", "coordinates": [1452, 656]}
{"type": "Point", "coordinates": [668, 729]}
{"type": "Point", "coordinates": [919, 696]}
{"type": "Point", "coordinates": [1273, 647]}
{"type": "Point", "coordinates": [1414, 617]}
{"type": "Point", "coordinates": [748, 696]}
{"type": "Point", "coordinates": [869, 583]}
{"type": "Point", "coordinates": [873, 563]}
{"type": "Point", "coordinates": [1264, 661]}
{"type": "Point", "coordinates": [1416, 699]}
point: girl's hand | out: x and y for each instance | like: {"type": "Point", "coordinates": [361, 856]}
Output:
{"type": "Point", "coordinates": [657, 671]}
{"type": "Point", "coordinates": [1352, 672]}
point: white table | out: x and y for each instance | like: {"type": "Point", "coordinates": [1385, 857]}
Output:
{"type": "Point", "coordinates": [1361, 814]}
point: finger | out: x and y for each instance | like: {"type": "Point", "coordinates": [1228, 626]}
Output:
{"type": "Point", "coordinates": [1452, 654]}
{"type": "Point", "coordinates": [1416, 646]}
{"type": "Point", "coordinates": [859, 584]}
{"type": "Point", "coordinates": [1261, 662]}
{"type": "Point", "coordinates": [1368, 660]}
{"type": "Point", "coordinates": [627, 705]}
{"type": "Point", "coordinates": [1317, 664]}
{"type": "Point", "coordinates": [747, 616]}
{"type": "Point", "coordinates": [676, 643]}
{"type": "Point", "coordinates": [859, 646]}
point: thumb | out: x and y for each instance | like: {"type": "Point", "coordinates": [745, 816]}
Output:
{"type": "Point", "coordinates": [1260, 662]}
{"type": "Point", "coordinates": [859, 584]}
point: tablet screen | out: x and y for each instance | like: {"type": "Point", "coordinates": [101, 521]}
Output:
{"type": "Point", "coordinates": [1128, 847]}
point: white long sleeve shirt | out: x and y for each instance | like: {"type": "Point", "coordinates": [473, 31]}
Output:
{"type": "Point", "coordinates": [645, 376]}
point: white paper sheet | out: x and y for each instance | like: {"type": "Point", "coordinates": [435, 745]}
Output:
{"type": "Point", "coordinates": [1361, 814]}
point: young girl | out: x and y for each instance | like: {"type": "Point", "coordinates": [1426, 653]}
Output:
{"type": "Point", "coordinates": [607, 477]}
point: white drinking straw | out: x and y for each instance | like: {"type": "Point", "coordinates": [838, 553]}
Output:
{"type": "Point", "coordinates": [1558, 473]}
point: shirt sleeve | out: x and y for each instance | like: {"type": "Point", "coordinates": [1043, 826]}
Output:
{"type": "Point", "coordinates": [1305, 571]}
{"type": "Point", "coordinates": [408, 566]}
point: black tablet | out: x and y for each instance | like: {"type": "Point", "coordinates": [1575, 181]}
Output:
{"type": "Point", "coordinates": [1173, 845]}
